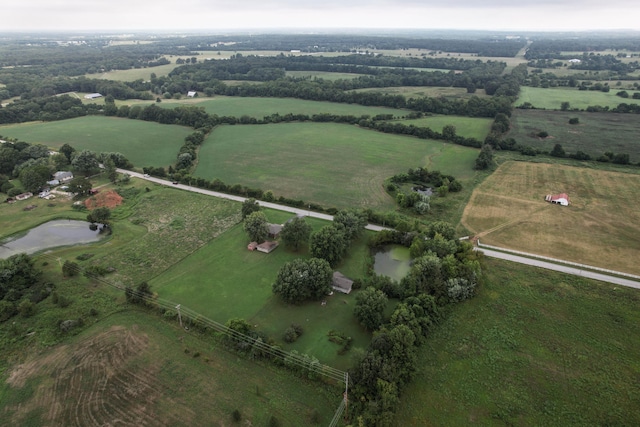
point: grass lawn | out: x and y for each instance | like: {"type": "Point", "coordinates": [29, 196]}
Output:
{"type": "Point", "coordinates": [533, 348]}
{"type": "Point", "coordinates": [132, 366]}
{"type": "Point", "coordinates": [143, 143]}
{"type": "Point", "coordinates": [595, 134]}
{"type": "Point", "coordinates": [601, 226]}
{"type": "Point", "coordinates": [552, 98]}
{"type": "Point", "coordinates": [307, 161]}
{"type": "Point", "coordinates": [224, 280]}
{"type": "Point", "coordinates": [259, 107]}
{"type": "Point", "coordinates": [469, 127]}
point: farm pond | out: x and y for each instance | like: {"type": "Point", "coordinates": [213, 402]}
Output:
{"type": "Point", "coordinates": [52, 234]}
{"type": "Point", "coordinates": [393, 261]}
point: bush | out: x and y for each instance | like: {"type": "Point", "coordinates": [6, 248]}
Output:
{"type": "Point", "coordinates": [26, 308]}
{"type": "Point", "coordinates": [542, 134]}
{"type": "Point", "coordinates": [236, 416]}
{"type": "Point", "coordinates": [574, 121]}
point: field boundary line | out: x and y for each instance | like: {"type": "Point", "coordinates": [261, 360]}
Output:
{"type": "Point", "coordinates": [559, 261]}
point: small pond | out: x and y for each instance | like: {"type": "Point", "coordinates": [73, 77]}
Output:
{"type": "Point", "coordinates": [393, 261]}
{"type": "Point", "coordinates": [49, 235]}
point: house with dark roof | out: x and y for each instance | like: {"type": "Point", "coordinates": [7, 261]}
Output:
{"type": "Point", "coordinates": [63, 176]}
{"type": "Point", "coordinates": [274, 230]}
{"type": "Point", "coordinates": [341, 283]}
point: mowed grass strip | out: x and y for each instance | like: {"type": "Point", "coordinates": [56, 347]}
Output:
{"type": "Point", "coordinates": [132, 366]}
{"type": "Point", "coordinates": [224, 280]}
{"type": "Point", "coordinates": [534, 347]}
{"type": "Point", "coordinates": [430, 91]}
{"type": "Point", "coordinates": [601, 226]}
{"type": "Point", "coordinates": [143, 143]}
{"type": "Point", "coordinates": [469, 127]}
{"type": "Point", "coordinates": [595, 134]}
{"type": "Point", "coordinates": [259, 107]}
{"type": "Point", "coordinates": [331, 164]}
{"type": "Point", "coordinates": [552, 98]}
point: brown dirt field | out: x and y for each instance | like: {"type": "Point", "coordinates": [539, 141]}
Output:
{"type": "Point", "coordinates": [601, 226]}
{"type": "Point", "coordinates": [97, 382]}
{"type": "Point", "coordinates": [108, 198]}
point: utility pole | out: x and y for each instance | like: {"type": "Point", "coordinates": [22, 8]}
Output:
{"type": "Point", "coordinates": [179, 316]}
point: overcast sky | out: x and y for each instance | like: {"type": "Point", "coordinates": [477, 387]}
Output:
{"type": "Point", "coordinates": [213, 15]}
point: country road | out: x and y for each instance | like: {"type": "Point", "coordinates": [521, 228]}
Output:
{"type": "Point", "coordinates": [306, 212]}
{"type": "Point", "coordinates": [561, 268]}
{"type": "Point", "coordinates": [297, 211]}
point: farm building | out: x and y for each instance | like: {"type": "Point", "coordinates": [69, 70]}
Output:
{"type": "Point", "coordinates": [558, 199]}
{"type": "Point", "coordinates": [192, 94]}
{"type": "Point", "coordinates": [341, 283]}
{"type": "Point", "coordinates": [267, 246]}
{"type": "Point", "coordinates": [575, 61]}
{"type": "Point", "coordinates": [93, 96]}
{"type": "Point", "coordinates": [252, 246]}
{"type": "Point", "coordinates": [274, 230]}
{"type": "Point", "coordinates": [63, 176]}
{"type": "Point", "coordinates": [24, 196]}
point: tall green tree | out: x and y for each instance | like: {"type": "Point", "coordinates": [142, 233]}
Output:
{"type": "Point", "coordinates": [249, 206]}
{"type": "Point", "coordinates": [35, 177]}
{"type": "Point", "coordinates": [303, 279]}
{"type": "Point", "coordinates": [328, 243]}
{"type": "Point", "coordinates": [80, 186]}
{"type": "Point", "coordinates": [295, 233]}
{"type": "Point", "coordinates": [369, 308]}
{"type": "Point", "coordinates": [351, 221]}
{"type": "Point", "coordinates": [256, 226]}
{"type": "Point", "coordinates": [85, 162]}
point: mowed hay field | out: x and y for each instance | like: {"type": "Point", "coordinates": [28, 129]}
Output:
{"type": "Point", "coordinates": [601, 226]}
{"type": "Point", "coordinates": [238, 106]}
{"type": "Point", "coordinates": [330, 164]}
{"type": "Point", "coordinates": [143, 143]}
{"type": "Point", "coordinates": [133, 369]}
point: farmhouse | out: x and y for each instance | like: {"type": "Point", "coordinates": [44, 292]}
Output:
{"type": "Point", "coordinates": [558, 199]}
{"type": "Point", "coordinates": [341, 283]}
{"type": "Point", "coordinates": [63, 176]}
{"type": "Point", "coordinates": [93, 96]}
{"type": "Point", "coordinates": [274, 230]}
{"type": "Point", "coordinates": [267, 246]}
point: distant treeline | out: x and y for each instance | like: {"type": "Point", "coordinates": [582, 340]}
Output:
{"type": "Point", "coordinates": [550, 48]}
{"type": "Point", "coordinates": [351, 42]}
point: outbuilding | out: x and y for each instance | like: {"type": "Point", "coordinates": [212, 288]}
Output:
{"type": "Point", "coordinates": [341, 283]}
{"type": "Point", "coordinates": [558, 199]}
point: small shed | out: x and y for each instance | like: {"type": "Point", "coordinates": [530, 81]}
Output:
{"type": "Point", "coordinates": [252, 246]}
{"type": "Point", "coordinates": [24, 196]}
{"type": "Point", "coordinates": [267, 246]}
{"type": "Point", "coordinates": [341, 283]}
{"type": "Point", "coordinates": [93, 96]}
{"type": "Point", "coordinates": [192, 94]}
{"type": "Point", "coordinates": [274, 230]}
{"type": "Point", "coordinates": [558, 199]}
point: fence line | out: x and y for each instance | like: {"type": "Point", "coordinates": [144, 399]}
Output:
{"type": "Point", "coordinates": [560, 261]}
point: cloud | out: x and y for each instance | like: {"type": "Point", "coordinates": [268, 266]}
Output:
{"type": "Point", "coordinates": [32, 15]}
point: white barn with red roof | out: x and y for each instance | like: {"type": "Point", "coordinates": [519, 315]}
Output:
{"type": "Point", "coordinates": [558, 199]}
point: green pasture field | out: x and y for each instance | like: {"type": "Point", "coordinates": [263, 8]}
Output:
{"type": "Point", "coordinates": [595, 134]}
{"type": "Point", "coordinates": [534, 347]}
{"type": "Point", "coordinates": [224, 280]}
{"type": "Point", "coordinates": [325, 75]}
{"type": "Point", "coordinates": [329, 164]}
{"type": "Point", "coordinates": [552, 98]}
{"type": "Point", "coordinates": [176, 377]}
{"type": "Point", "coordinates": [143, 143]}
{"type": "Point", "coordinates": [429, 91]}
{"type": "Point", "coordinates": [259, 107]}
{"type": "Point", "coordinates": [469, 127]}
